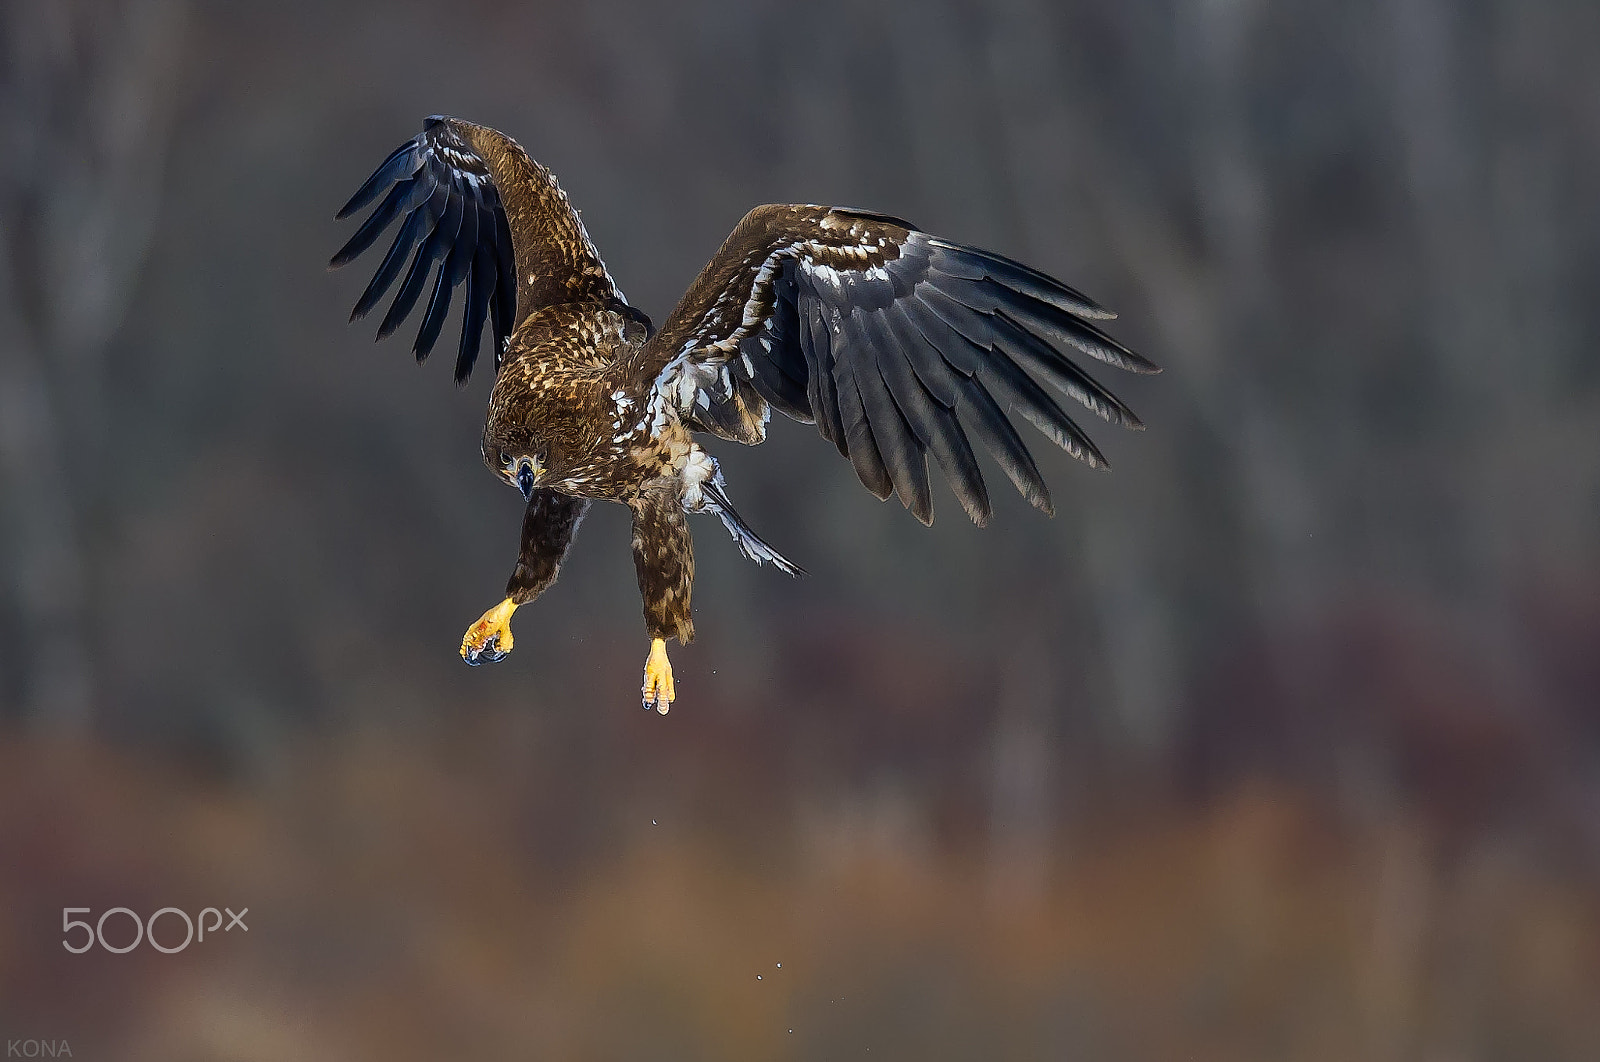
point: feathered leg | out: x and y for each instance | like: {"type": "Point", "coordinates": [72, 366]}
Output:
{"type": "Point", "coordinates": [548, 525]}
{"type": "Point", "coordinates": [663, 555]}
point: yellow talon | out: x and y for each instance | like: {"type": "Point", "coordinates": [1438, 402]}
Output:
{"type": "Point", "coordinates": [489, 639]}
{"type": "Point", "coordinates": [658, 690]}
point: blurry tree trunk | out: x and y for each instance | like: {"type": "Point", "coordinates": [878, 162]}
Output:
{"type": "Point", "coordinates": [86, 100]}
{"type": "Point", "coordinates": [1056, 175]}
{"type": "Point", "coordinates": [1490, 388]}
{"type": "Point", "coordinates": [1402, 920]}
{"type": "Point", "coordinates": [1023, 800]}
{"type": "Point", "coordinates": [1231, 190]}
{"type": "Point", "coordinates": [47, 584]}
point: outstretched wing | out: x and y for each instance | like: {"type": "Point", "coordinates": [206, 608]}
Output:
{"type": "Point", "coordinates": [472, 201]}
{"type": "Point", "coordinates": [895, 343]}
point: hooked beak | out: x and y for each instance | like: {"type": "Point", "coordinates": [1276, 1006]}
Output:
{"type": "Point", "coordinates": [525, 481]}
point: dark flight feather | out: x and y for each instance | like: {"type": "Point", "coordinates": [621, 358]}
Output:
{"type": "Point", "coordinates": [902, 454]}
{"type": "Point", "coordinates": [402, 160]}
{"type": "Point", "coordinates": [448, 210]}
{"type": "Point", "coordinates": [823, 392]}
{"type": "Point", "coordinates": [974, 263]}
{"type": "Point", "coordinates": [860, 444]}
{"type": "Point", "coordinates": [451, 273]}
{"type": "Point", "coordinates": [481, 282]}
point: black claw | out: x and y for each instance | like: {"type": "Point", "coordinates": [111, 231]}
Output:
{"type": "Point", "coordinates": [488, 653]}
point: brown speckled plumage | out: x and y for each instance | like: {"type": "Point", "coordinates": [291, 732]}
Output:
{"type": "Point", "coordinates": [548, 524]}
{"type": "Point", "coordinates": [895, 343]}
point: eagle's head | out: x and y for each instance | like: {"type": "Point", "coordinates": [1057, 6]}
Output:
{"type": "Point", "coordinates": [521, 460]}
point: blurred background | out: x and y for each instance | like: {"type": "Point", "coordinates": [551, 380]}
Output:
{"type": "Point", "coordinates": [1280, 742]}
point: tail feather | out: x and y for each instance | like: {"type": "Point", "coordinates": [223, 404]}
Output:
{"type": "Point", "coordinates": [750, 544]}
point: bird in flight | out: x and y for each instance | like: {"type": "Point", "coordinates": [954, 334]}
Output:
{"type": "Point", "coordinates": [895, 343]}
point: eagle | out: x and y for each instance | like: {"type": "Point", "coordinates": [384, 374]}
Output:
{"type": "Point", "coordinates": [895, 343]}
